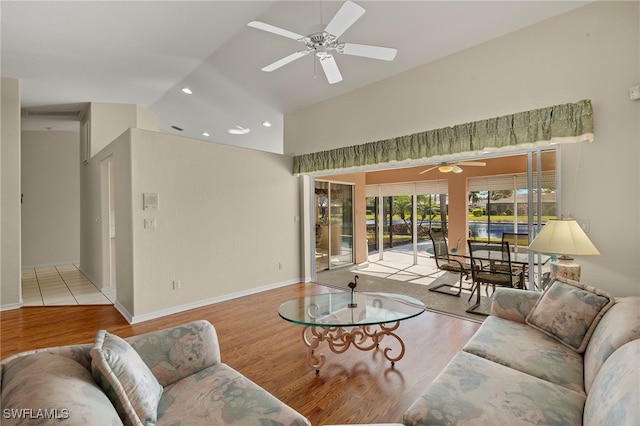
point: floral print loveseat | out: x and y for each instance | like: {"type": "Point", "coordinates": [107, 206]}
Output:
{"type": "Point", "coordinates": [168, 377]}
{"type": "Point", "coordinates": [567, 356]}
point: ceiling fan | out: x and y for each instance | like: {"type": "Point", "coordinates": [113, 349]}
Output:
{"type": "Point", "coordinates": [454, 167]}
{"type": "Point", "coordinates": [324, 43]}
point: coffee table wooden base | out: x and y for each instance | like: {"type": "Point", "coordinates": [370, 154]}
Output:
{"type": "Point", "coordinates": [339, 339]}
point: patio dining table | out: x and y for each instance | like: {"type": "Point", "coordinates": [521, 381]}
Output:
{"type": "Point", "coordinates": [494, 252]}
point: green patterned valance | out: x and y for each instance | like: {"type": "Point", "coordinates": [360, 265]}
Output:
{"type": "Point", "coordinates": [556, 124]}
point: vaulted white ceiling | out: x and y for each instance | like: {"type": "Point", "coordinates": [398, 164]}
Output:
{"type": "Point", "coordinates": [69, 53]}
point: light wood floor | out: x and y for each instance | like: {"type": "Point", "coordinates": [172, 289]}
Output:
{"type": "Point", "coordinates": [353, 387]}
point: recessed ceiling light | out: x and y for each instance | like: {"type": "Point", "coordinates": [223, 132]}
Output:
{"type": "Point", "coordinates": [266, 124]}
{"type": "Point", "coordinates": [239, 130]}
{"type": "Point", "coordinates": [187, 90]}
{"type": "Point", "coordinates": [205, 134]}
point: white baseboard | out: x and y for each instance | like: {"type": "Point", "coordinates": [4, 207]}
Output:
{"type": "Point", "coordinates": [90, 278]}
{"type": "Point", "coordinates": [134, 319]}
{"type": "Point", "coordinates": [11, 306]}
{"type": "Point", "coordinates": [48, 265]}
{"type": "Point", "coordinates": [124, 312]}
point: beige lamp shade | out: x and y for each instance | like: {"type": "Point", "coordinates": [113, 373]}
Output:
{"type": "Point", "coordinates": [564, 237]}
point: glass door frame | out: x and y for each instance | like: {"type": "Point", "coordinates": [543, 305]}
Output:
{"type": "Point", "coordinates": [380, 198]}
{"type": "Point", "coordinates": [331, 226]}
{"type": "Point", "coordinates": [534, 220]}
{"type": "Point", "coordinates": [532, 154]}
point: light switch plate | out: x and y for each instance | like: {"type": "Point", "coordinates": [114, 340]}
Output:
{"type": "Point", "coordinates": [584, 224]}
{"type": "Point", "coordinates": [150, 201]}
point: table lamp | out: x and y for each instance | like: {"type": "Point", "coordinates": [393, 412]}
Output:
{"type": "Point", "coordinates": [566, 238]}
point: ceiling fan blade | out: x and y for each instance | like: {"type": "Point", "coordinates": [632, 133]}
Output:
{"type": "Point", "coordinates": [368, 51]}
{"type": "Point", "coordinates": [284, 61]}
{"type": "Point", "coordinates": [348, 14]}
{"type": "Point", "coordinates": [428, 170]}
{"type": "Point", "coordinates": [471, 163]}
{"type": "Point", "coordinates": [275, 30]}
{"type": "Point", "coordinates": [330, 68]}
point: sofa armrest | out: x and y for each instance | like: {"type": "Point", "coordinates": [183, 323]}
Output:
{"type": "Point", "coordinates": [175, 353]}
{"type": "Point", "coordinates": [513, 304]}
{"type": "Point", "coordinates": [78, 353]}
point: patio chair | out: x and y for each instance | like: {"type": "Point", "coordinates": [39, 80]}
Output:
{"type": "Point", "coordinates": [517, 242]}
{"type": "Point", "coordinates": [493, 267]}
{"type": "Point", "coordinates": [446, 262]}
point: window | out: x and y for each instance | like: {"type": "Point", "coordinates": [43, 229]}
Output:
{"type": "Point", "coordinates": [500, 204]}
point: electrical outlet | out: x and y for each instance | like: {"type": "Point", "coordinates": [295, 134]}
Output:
{"type": "Point", "coordinates": [280, 266]}
{"type": "Point", "coordinates": [177, 284]}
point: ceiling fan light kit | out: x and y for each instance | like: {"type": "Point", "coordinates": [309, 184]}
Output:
{"type": "Point", "coordinates": [324, 43]}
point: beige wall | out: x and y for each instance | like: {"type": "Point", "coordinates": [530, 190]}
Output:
{"type": "Point", "coordinates": [94, 219]}
{"type": "Point", "coordinates": [10, 272]}
{"type": "Point", "coordinates": [228, 217]}
{"type": "Point", "coordinates": [109, 120]}
{"type": "Point", "coordinates": [592, 53]}
{"type": "Point", "coordinates": [50, 179]}
{"type": "Point", "coordinates": [106, 123]}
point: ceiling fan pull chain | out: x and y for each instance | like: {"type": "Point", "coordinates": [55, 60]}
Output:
{"type": "Point", "coordinates": [314, 68]}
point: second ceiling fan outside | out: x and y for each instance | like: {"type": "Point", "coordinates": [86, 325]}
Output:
{"type": "Point", "coordinates": [454, 167]}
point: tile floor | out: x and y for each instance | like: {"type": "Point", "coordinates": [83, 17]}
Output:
{"type": "Point", "coordinates": [61, 285]}
{"type": "Point", "coordinates": [397, 264]}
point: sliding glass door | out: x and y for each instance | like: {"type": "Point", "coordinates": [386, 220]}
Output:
{"type": "Point", "coordinates": [333, 224]}
{"type": "Point", "coordinates": [516, 203]}
{"type": "Point", "coordinates": [400, 216]}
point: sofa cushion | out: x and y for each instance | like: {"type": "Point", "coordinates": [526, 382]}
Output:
{"type": "Point", "coordinates": [613, 399]}
{"type": "Point", "coordinates": [126, 379]}
{"type": "Point", "coordinates": [621, 324]}
{"type": "Point", "coordinates": [525, 349]}
{"type": "Point", "coordinates": [220, 395]}
{"type": "Point", "coordinates": [47, 388]}
{"type": "Point", "coordinates": [512, 303]}
{"type": "Point", "coordinates": [177, 352]}
{"type": "Point", "coordinates": [569, 311]}
{"type": "Point", "coordinates": [472, 390]}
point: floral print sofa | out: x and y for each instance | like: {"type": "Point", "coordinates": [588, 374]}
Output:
{"type": "Point", "coordinates": [168, 377]}
{"type": "Point", "coordinates": [567, 356]}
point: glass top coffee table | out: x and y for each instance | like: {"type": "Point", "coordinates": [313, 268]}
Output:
{"type": "Point", "coordinates": [343, 319]}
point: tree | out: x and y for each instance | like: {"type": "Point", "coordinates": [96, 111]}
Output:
{"type": "Point", "coordinates": [403, 206]}
{"type": "Point", "coordinates": [424, 208]}
{"type": "Point", "coordinates": [499, 195]}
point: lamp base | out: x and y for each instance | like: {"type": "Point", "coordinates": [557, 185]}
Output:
{"type": "Point", "coordinates": [565, 268]}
